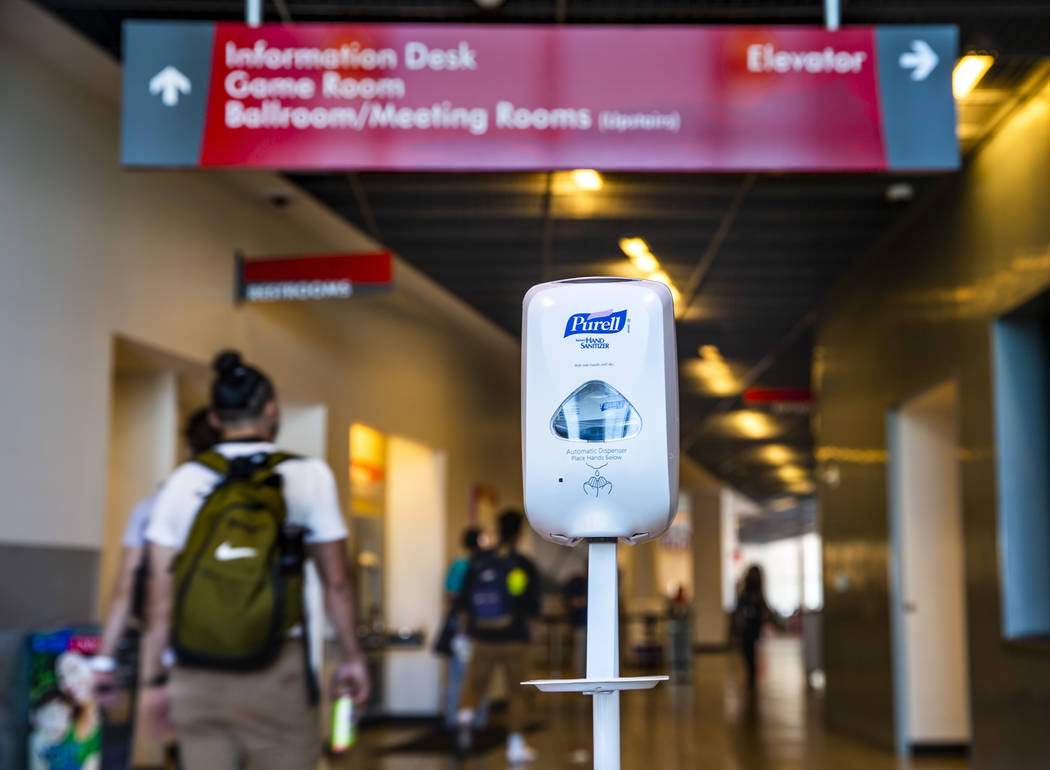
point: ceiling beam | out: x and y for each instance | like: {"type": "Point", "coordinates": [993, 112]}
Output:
{"type": "Point", "coordinates": [363, 206]}
{"type": "Point", "coordinates": [282, 11]}
{"type": "Point", "coordinates": [547, 245]}
{"type": "Point", "coordinates": [692, 286]}
{"type": "Point", "coordinates": [751, 376]}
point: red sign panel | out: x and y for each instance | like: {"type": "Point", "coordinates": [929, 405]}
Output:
{"type": "Point", "coordinates": [778, 396]}
{"type": "Point", "coordinates": [312, 277]}
{"type": "Point", "coordinates": [390, 96]}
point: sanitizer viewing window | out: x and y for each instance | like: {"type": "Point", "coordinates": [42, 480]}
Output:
{"type": "Point", "coordinates": [596, 411]}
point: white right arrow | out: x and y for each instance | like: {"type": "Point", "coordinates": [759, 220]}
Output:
{"type": "Point", "coordinates": [169, 82]}
{"type": "Point", "coordinates": [921, 60]}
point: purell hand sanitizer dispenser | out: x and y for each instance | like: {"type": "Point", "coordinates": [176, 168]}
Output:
{"type": "Point", "coordinates": [600, 450]}
{"type": "Point", "coordinates": [600, 409]}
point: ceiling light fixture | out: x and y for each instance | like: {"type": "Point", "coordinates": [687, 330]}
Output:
{"type": "Point", "coordinates": [587, 179]}
{"type": "Point", "coordinates": [676, 295]}
{"type": "Point", "coordinates": [634, 247]}
{"type": "Point", "coordinates": [638, 250]}
{"type": "Point", "coordinates": [775, 454]}
{"type": "Point", "coordinates": [793, 474]}
{"type": "Point", "coordinates": [750, 423]}
{"type": "Point", "coordinates": [709, 374]}
{"type": "Point", "coordinates": [900, 192]}
{"type": "Point", "coordinates": [802, 488]}
{"type": "Point", "coordinates": [710, 352]}
{"type": "Point", "coordinates": [646, 264]}
{"type": "Point", "coordinates": [661, 277]}
{"type": "Point", "coordinates": [968, 73]}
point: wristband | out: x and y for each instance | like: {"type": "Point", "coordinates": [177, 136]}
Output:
{"type": "Point", "coordinates": [103, 664]}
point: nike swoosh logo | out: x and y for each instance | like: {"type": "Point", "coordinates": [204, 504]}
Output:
{"type": "Point", "coordinates": [227, 552]}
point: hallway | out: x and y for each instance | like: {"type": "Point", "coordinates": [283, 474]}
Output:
{"type": "Point", "coordinates": [710, 725]}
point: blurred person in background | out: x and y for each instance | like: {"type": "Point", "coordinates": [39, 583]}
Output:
{"type": "Point", "coordinates": [678, 627]}
{"type": "Point", "coordinates": [575, 595]}
{"type": "Point", "coordinates": [499, 603]}
{"type": "Point", "coordinates": [451, 643]}
{"type": "Point", "coordinates": [751, 615]}
{"type": "Point", "coordinates": [127, 603]}
{"type": "Point", "coordinates": [125, 617]}
{"type": "Point", "coordinates": [234, 525]}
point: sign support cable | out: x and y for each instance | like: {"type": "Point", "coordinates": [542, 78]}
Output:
{"type": "Point", "coordinates": [253, 13]}
{"type": "Point", "coordinates": [832, 14]}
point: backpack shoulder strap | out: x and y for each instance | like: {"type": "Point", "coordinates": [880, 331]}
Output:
{"type": "Point", "coordinates": [267, 466]}
{"type": "Point", "coordinates": [277, 458]}
{"type": "Point", "coordinates": [213, 461]}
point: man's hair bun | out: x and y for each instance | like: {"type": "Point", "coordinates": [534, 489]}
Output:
{"type": "Point", "coordinates": [226, 362]}
{"type": "Point", "coordinates": [240, 391]}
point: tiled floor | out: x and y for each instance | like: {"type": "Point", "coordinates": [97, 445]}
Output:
{"type": "Point", "coordinates": [709, 724]}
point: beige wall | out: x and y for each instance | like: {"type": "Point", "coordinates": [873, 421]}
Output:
{"type": "Point", "coordinates": [918, 312]}
{"type": "Point", "coordinates": [709, 623]}
{"type": "Point", "coordinates": [91, 252]}
{"type": "Point", "coordinates": [413, 572]}
{"type": "Point", "coordinates": [142, 441]}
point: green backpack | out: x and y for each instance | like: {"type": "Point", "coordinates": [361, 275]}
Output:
{"type": "Point", "coordinates": [234, 604]}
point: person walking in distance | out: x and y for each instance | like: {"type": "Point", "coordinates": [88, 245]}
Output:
{"type": "Point", "coordinates": [228, 537]}
{"type": "Point", "coordinates": [499, 601]}
{"type": "Point", "coordinates": [750, 616]}
{"type": "Point", "coordinates": [455, 652]}
{"type": "Point", "coordinates": [575, 593]}
{"type": "Point", "coordinates": [127, 603]}
{"type": "Point", "coordinates": [125, 613]}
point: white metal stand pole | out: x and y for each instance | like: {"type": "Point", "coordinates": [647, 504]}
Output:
{"type": "Point", "coordinates": [603, 650]}
{"type": "Point", "coordinates": [253, 12]}
{"type": "Point", "coordinates": [832, 14]}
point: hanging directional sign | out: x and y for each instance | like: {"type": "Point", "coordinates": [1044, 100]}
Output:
{"type": "Point", "coordinates": [480, 97]}
{"type": "Point", "coordinates": [311, 277]}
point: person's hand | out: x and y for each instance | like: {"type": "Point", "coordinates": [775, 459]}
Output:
{"type": "Point", "coordinates": [460, 645]}
{"type": "Point", "coordinates": [351, 678]}
{"type": "Point", "coordinates": [106, 688]}
{"type": "Point", "coordinates": [157, 710]}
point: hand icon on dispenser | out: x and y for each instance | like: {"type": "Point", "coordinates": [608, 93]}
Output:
{"type": "Point", "coordinates": [597, 482]}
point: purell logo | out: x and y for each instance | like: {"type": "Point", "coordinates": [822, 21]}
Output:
{"type": "Point", "coordinates": [603, 322]}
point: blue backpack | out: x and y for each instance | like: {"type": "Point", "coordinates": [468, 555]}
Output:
{"type": "Point", "coordinates": [491, 604]}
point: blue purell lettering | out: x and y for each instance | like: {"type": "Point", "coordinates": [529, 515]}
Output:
{"type": "Point", "coordinates": [602, 322]}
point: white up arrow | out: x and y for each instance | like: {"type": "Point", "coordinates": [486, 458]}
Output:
{"type": "Point", "coordinates": [169, 82]}
{"type": "Point", "coordinates": [921, 60]}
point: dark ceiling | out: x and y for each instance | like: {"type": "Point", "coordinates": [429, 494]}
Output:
{"type": "Point", "coordinates": [760, 252]}
{"type": "Point", "coordinates": [752, 255]}
{"type": "Point", "coordinates": [1015, 26]}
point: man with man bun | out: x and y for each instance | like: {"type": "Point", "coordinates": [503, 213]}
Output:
{"type": "Point", "coordinates": [227, 538]}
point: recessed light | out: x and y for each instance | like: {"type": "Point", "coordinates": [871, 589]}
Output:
{"type": "Point", "coordinates": [587, 179]}
{"type": "Point", "coordinates": [634, 247]}
{"type": "Point", "coordinates": [900, 192]}
{"type": "Point", "coordinates": [968, 73]}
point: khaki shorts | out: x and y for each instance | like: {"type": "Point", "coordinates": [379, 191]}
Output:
{"type": "Point", "coordinates": [486, 659]}
{"type": "Point", "coordinates": [257, 720]}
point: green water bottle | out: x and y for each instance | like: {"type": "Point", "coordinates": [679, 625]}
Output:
{"type": "Point", "coordinates": [344, 732]}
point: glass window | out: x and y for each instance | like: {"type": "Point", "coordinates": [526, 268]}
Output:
{"type": "Point", "coordinates": [596, 411]}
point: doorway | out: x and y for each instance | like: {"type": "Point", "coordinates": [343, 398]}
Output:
{"type": "Point", "coordinates": [398, 496]}
{"type": "Point", "coordinates": [928, 597]}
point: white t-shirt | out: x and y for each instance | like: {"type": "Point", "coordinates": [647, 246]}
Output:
{"type": "Point", "coordinates": [309, 496]}
{"type": "Point", "coordinates": [138, 521]}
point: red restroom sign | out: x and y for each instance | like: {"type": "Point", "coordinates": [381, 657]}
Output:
{"type": "Point", "coordinates": [312, 277]}
{"type": "Point", "coordinates": [480, 97]}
